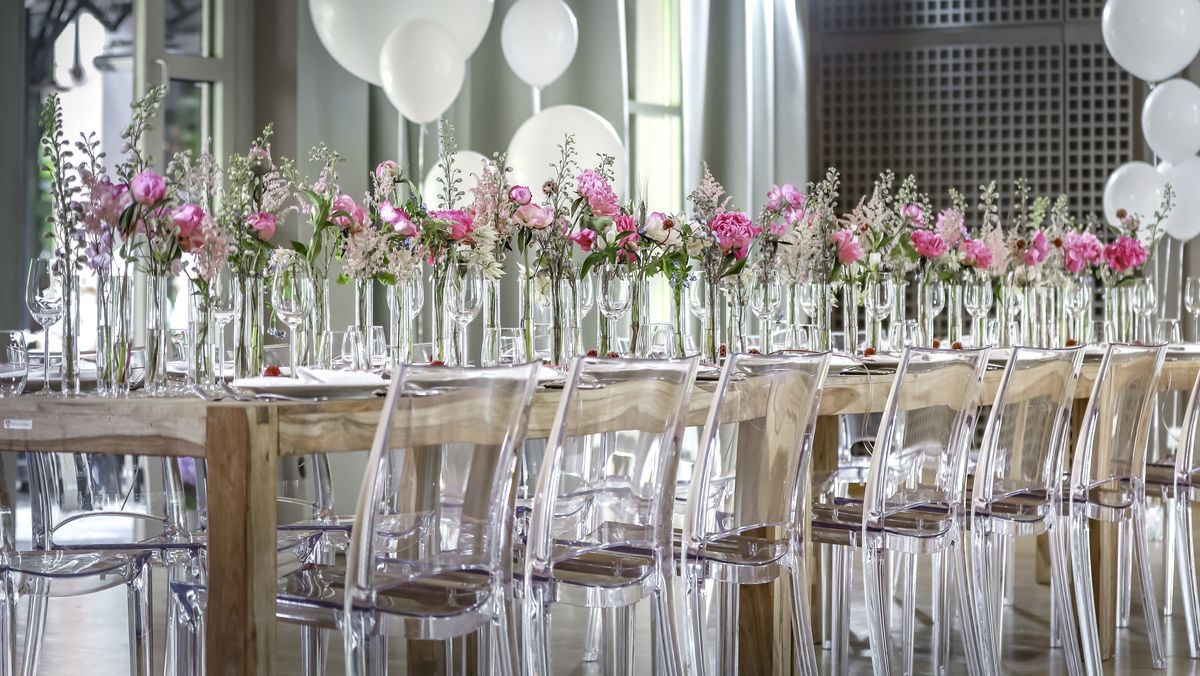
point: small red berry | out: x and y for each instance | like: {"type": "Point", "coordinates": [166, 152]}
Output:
{"type": "Point", "coordinates": [437, 362]}
{"type": "Point", "coordinates": [1071, 342]}
{"type": "Point", "coordinates": [613, 355]}
{"type": "Point", "coordinates": [272, 371]}
{"type": "Point", "coordinates": [869, 352]}
{"type": "Point", "coordinates": [936, 343]}
{"type": "Point", "coordinates": [956, 346]}
{"type": "Point", "coordinates": [592, 353]}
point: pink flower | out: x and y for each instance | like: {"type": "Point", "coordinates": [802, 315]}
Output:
{"type": "Point", "coordinates": [398, 219]}
{"type": "Point", "coordinates": [189, 220]}
{"type": "Point", "coordinates": [928, 243]}
{"type": "Point", "coordinates": [1125, 254]}
{"type": "Point", "coordinates": [148, 188]}
{"type": "Point", "coordinates": [1081, 250]}
{"type": "Point", "coordinates": [1038, 249]}
{"type": "Point", "coordinates": [998, 247]}
{"type": "Point", "coordinates": [263, 224]}
{"type": "Point", "coordinates": [950, 226]}
{"type": "Point", "coordinates": [914, 213]}
{"type": "Point", "coordinates": [734, 232]}
{"type": "Point", "coordinates": [460, 222]}
{"type": "Point", "coordinates": [976, 254]}
{"type": "Point", "coordinates": [355, 216]}
{"type": "Point", "coordinates": [585, 239]}
{"type": "Point", "coordinates": [600, 196]}
{"type": "Point", "coordinates": [534, 217]}
{"type": "Point", "coordinates": [627, 231]}
{"type": "Point", "coordinates": [519, 194]}
{"type": "Point", "coordinates": [849, 251]}
{"type": "Point", "coordinates": [387, 169]}
{"type": "Point", "coordinates": [103, 210]}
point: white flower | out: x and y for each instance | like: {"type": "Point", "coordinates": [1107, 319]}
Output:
{"type": "Point", "coordinates": [661, 229]}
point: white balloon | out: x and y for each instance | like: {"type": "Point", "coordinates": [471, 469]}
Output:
{"type": "Point", "coordinates": [466, 20]}
{"type": "Point", "coordinates": [534, 147]}
{"type": "Point", "coordinates": [1136, 187]}
{"type": "Point", "coordinates": [1183, 223]}
{"type": "Point", "coordinates": [423, 70]}
{"type": "Point", "coordinates": [539, 38]}
{"type": "Point", "coordinates": [353, 31]}
{"type": "Point", "coordinates": [1164, 167]}
{"type": "Point", "coordinates": [1171, 120]}
{"type": "Point", "coordinates": [469, 163]}
{"type": "Point", "coordinates": [1152, 39]}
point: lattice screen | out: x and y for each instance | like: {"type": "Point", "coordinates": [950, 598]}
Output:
{"type": "Point", "coordinates": [958, 115]}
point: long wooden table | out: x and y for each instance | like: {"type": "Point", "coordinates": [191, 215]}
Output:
{"type": "Point", "coordinates": [243, 443]}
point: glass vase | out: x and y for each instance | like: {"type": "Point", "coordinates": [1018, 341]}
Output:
{"type": "Point", "coordinates": [850, 302]}
{"type": "Point", "coordinates": [248, 327]}
{"type": "Point", "coordinates": [70, 331]}
{"type": "Point", "coordinates": [954, 313]}
{"type": "Point", "coordinates": [710, 347]}
{"type": "Point", "coordinates": [200, 345]}
{"type": "Point", "coordinates": [564, 311]}
{"type": "Point", "coordinates": [1003, 298]}
{"type": "Point", "coordinates": [113, 357]}
{"type": "Point", "coordinates": [490, 352]}
{"type": "Point", "coordinates": [639, 311]}
{"type": "Point", "coordinates": [400, 314]}
{"type": "Point", "coordinates": [103, 333]}
{"type": "Point", "coordinates": [158, 339]}
{"type": "Point", "coordinates": [364, 301]}
{"type": "Point", "coordinates": [317, 325]}
{"type": "Point", "coordinates": [738, 301]}
{"type": "Point", "coordinates": [1120, 320]}
{"type": "Point", "coordinates": [677, 308]}
{"type": "Point", "coordinates": [822, 315]}
{"type": "Point", "coordinates": [525, 298]}
{"type": "Point", "coordinates": [898, 315]}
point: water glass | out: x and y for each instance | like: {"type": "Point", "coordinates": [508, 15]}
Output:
{"type": "Point", "coordinates": [512, 346]}
{"type": "Point", "coordinates": [356, 348]}
{"type": "Point", "coordinates": [1167, 331]}
{"type": "Point", "coordinates": [914, 334]}
{"type": "Point", "coordinates": [464, 300]}
{"type": "Point", "coordinates": [14, 363]}
{"type": "Point", "coordinates": [804, 337]}
{"type": "Point", "coordinates": [662, 341]}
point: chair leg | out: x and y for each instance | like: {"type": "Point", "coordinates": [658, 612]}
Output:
{"type": "Point", "coordinates": [1124, 574]}
{"type": "Point", "coordinates": [978, 658]}
{"type": "Point", "coordinates": [8, 625]}
{"type": "Point", "coordinates": [841, 571]}
{"type": "Point", "coordinates": [595, 627]}
{"type": "Point", "coordinates": [616, 654]}
{"type": "Point", "coordinates": [140, 622]}
{"type": "Point", "coordinates": [35, 624]}
{"type": "Point", "coordinates": [501, 642]}
{"type": "Point", "coordinates": [1185, 552]}
{"type": "Point", "coordinates": [535, 630]}
{"type": "Point", "coordinates": [666, 631]}
{"type": "Point", "coordinates": [1150, 607]}
{"type": "Point", "coordinates": [942, 614]}
{"type": "Point", "coordinates": [693, 610]}
{"type": "Point", "coordinates": [982, 561]}
{"type": "Point", "coordinates": [802, 635]}
{"type": "Point", "coordinates": [1085, 604]}
{"type": "Point", "coordinates": [875, 584]}
{"type": "Point", "coordinates": [1061, 590]}
{"type": "Point", "coordinates": [312, 645]}
{"type": "Point", "coordinates": [908, 605]}
{"type": "Point", "coordinates": [825, 552]}
{"type": "Point", "coordinates": [1168, 556]}
{"type": "Point", "coordinates": [727, 636]}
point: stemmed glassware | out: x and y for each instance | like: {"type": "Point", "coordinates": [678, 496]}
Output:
{"type": "Point", "coordinates": [1077, 296]}
{"type": "Point", "coordinates": [935, 301]}
{"type": "Point", "coordinates": [613, 299]}
{"type": "Point", "coordinates": [877, 302]}
{"type": "Point", "coordinates": [977, 299]}
{"type": "Point", "coordinates": [44, 298]}
{"type": "Point", "coordinates": [292, 297]}
{"type": "Point", "coordinates": [1145, 302]}
{"type": "Point", "coordinates": [464, 299]}
{"type": "Point", "coordinates": [1191, 302]}
{"type": "Point", "coordinates": [224, 308]}
{"type": "Point", "coordinates": [697, 304]}
{"type": "Point", "coordinates": [765, 301]}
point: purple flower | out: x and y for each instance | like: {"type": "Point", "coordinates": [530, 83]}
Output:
{"type": "Point", "coordinates": [148, 188]}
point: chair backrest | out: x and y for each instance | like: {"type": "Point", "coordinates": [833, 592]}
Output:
{"type": "Point", "coordinates": [1111, 449]}
{"type": "Point", "coordinates": [925, 433]}
{"type": "Point", "coordinates": [608, 476]}
{"type": "Point", "coordinates": [751, 469]}
{"type": "Point", "coordinates": [1021, 455]}
{"type": "Point", "coordinates": [436, 492]}
{"type": "Point", "coordinates": [1186, 461]}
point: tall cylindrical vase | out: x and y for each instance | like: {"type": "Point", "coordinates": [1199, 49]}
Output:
{"type": "Point", "coordinates": [70, 331]}
{"type": "Point", "coordinates": [364, 300]}
{"type": "Point", "coordinates": [490, 353]}
{"type": "Point", "coordinates": [954, 313]}
{"type": "Point", "coordinates": [317, 325]}
{"type": "Point", "coordinates": [118, 312]}
{"type": "Point", "coordinates": [898, 315]}
{"type": "Point", "coordinates": [525, 291]}
{"type": "Point", "coordinates": [400, 308]}
{"type": "Point", "coordinates": [157, 334]}
{"type": "Point", "coordinates": [677, 301]}
{"type": "Point", "coordinates": [710, 347]}
{"type": "Point", "coordinates": [248, 327]}
{"type": "Point", "coordinates": [737, 300]}
{"type": "Point", "coordinates": [439, 319]}
{"type": "Point", "coordinates": [103, 333]}
{"type": "Point", "coordinates": [564, 311]}
{"type": "Point", "coordinates": [639, 312]}
{"type": "Point", "coordinates": [1002, 293]}
{"type": "Point", "coordinates": [200, 322]}
{"type": "Point", "coordinates": [850, 298]}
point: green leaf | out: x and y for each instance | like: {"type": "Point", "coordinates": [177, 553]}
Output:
{"type": "Point", "coordinates": [343, 279]}
{"type": "Point", "coordinates": [386, 278]}
{"type": "Point", "coordinates": [299, 248]}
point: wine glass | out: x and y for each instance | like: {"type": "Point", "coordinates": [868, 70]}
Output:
{"type": "Point", "coordinates": [225, 308]}
{"type": "Point", "coordinates": [1145, 302]}
{"type": "Point", "coordinates": [933, 293]}
{"type": "Point", "coordinates": [1191, 302]}
{"type": "Point", "coordinates": [44, 299]}
{"type": "Point", "coordinates": [14, 363]}
{"type": "Point", "coordinates": [464, 299]}
{"type": "Point", "coordinates": [764, 302]}
{"type": "Point", "coordinates": [977, 299]}
{"type": "Point", "coordinates": [613, 298]}
{"type": "Point", "coordinates": [586, 295]}
{"type": "Point", "coordinates": [877, 302]}
{"type": "Point", "coordinates": [291, 297]}
{"type": "Point", "coordinates": [1077, 296]}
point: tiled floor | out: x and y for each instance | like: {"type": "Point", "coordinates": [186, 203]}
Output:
{"type": "Point", "coordinates": [87, 635]}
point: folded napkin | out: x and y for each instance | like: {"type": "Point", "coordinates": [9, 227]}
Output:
{"type": "Point", "coordinates": [339, 378]}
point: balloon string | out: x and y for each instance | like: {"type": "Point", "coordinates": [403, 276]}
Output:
{"type": "Point", "coordinates": [537, 100]}
{"type": "Point", "coordinates": [421, 152]}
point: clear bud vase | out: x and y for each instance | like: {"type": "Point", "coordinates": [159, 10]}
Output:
{"type": "Point", "coordinates": [898, 315]}
{"type": "Point", "coordinates": [954, 313]}
{"type": "Point", "coordinates": [70, 331]}
{"type": "Point", "coordinates": [712, 319]}
{"type": "Point", "coordinates": [316, 327]}
{"type": "Point", "coordinates": [850, 301]}
{"type": "Point", "coordinates": [248, 327]}
{"type": "Point", "coordinates": [157, 334]}
{"type": "Point", "coordinates": [439, 317]}
{"type": "Point", "coordinates": [103, 333]}
{"type": "Point", "coordinates": [525, 298]}
{"type": "Point", "coordinates": [1003, 297]}
{"type": "Point", "coordinates": [400, 309]}
{"type": "Point", "coordinates": [639, 306]}
{"type": "Point", "coordinates": [824, 316]}
{"type": "Point", "coordinates": [200, 343]}
{"type": "Point", "coordinates": [490, 352]}
{"type": "Point", "coordinates": [364, 301]}
{"type": "Point", "coordinates": [118, 301]}
{"type": "Point", "coordinates": [678, 316]}
{"type": "Point", "coordinates": [737, 299]}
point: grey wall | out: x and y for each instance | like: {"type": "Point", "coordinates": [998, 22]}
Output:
{"type": "Point", "coordinates": [14, 170]}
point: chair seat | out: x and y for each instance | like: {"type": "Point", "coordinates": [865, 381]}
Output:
{"type": "Point", "coordinates": [739, 558]}
{"type": "Point", "coordinates": [67, 564]}
{"type": "Point", "coordinates": [841, 523]}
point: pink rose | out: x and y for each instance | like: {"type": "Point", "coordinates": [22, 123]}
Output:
{"type": "Point", "coordinates": [950, 226]}
{"type": "Point", "coordinates": [386, 169]}
{"type": "Point", "coordinates": [398, 219]}
{"type": "Point", "coordinates": [627, 231]}
{"type": "Point", "coordinates": [734, 232]}
{"type": "Point", "coordinates": [928, 243]}
{"type": "Point", "coordinates": [913, 213]}
{"type": "Point", "coordinates": [849, 251]}
{"type": "Point", "coordinates": [534, 217]}
{"type": "Point", "coordinates": [585, 239]}
{"type": "Point", "coordinates": [1125, 254]}
{"type": "Point", "coordinates": [600, 196]}
{"type": "Point", "coordinates": [519, 194]}
{"type": "Point", "coordinates": [1081, 250]}
{"type": "Point", "coordinates": [189, 221]}
{"type": "Point", "coordinates": [1038, 249]}
{"type": "Point", "coordinates": [460, 222]}
{"type": "Point", "coordinates": [263, 224]}
{"type": "Point", "coordinates": [976, 254]}
{"type": "Point", "coordinates": [355, 216]}
{"type": "Point", "coordinates": [148, 188]}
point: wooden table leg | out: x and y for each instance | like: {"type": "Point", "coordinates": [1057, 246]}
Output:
{"type": "Point", "coordinates": [242, 451]}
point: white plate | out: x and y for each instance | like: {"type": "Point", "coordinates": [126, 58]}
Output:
{"type": "Point", "coordinates": [435, 375]}
{"type": "Point", "coordinates": [315, 383]}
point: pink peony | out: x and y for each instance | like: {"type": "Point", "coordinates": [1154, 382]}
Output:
{"type": "Point", "coordinates": [585, 239]}
{"type": "Point", "coordinates": [398, 219]}
{"type": "Point", "coordinates": [600, 196]}
{"type": "Point", "coordinates": [387, 169]}
{"type": "Point", "coordinates": [627, 230]}
{"type": "Point", "coordinates": [950, 226]}
{"type": "Point", "coordinates": [103, 210]}
{"type": "Point", "coordinates": [263, 224]}
{"type": "Point", "coordinates": [460, 222]}
{"type": "Point", "coordinates": [734, 232]}
{"type": "Point", "coordinates": [1125, 254]}
{"type": "Point", "coordinates": [189, 221]}
{"type": "Point", "coordinates": [928, 243]}
{"type": "Point", "coordinates": [355, 216]}
{"type": "Point", "coordinates": [148, 188]}
{"type": "Point", "coordinates": [519, 194]}
{"type": "Point", "coordinates": [849, 251]}
{"type": "Point", "coordinates": [975, 253]}
{"type": "Point", "coordinates": [1081, 250]}
{"type": "Point", "coordinates": [534, 217]}
{"type": "Point", "coordinates": [1038, 249]}
{"type": "Point", "coordinates": [913, 213]}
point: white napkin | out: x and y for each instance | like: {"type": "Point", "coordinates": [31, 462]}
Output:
{"type": "Point", "coordinates": [338, 378]}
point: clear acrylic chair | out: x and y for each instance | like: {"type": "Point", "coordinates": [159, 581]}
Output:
{"type": "Point", "coordinates": [600, 532]}
{"type": "Point", "coordinates": [1017, 489]}
{"type": "Point", "coordinates": [1108, 483]}
{"type": "Point", "coordinates": [1181, 489]}
{"type": "Point", "coordinates": [747, 504]}
{"type": "Point", "coordinates": [430, 553]}
{"type": "Point", "coordinates": [913, 505]}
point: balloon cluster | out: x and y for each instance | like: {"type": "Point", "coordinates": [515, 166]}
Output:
{"type": "Point", "coordinates": [1155, 41]}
